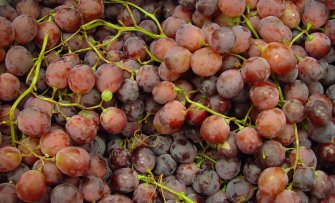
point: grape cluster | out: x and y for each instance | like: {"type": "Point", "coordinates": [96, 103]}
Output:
{"type": "Point", "coordinates": [152, 101]}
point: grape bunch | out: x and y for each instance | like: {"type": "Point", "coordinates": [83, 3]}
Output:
{"type": "Point", "coordinates": [147, 101]}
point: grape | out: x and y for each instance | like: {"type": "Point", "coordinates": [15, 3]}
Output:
{"type": "Point", "coordinates": [125, 17]}
{"type": "Point", "coordinates": [272, 181]}
{"type": "Point", "coordinates": [206, 8]}
{"type": "Point", "coordinates": [98, 166]}
{"type": "Point", "coordinates": [315, 87]}
{"type": "Point", "coordinates": [232, 8]}
{"type": "Point", "coordinates": [66, 157]}
{"type": "Point", "coordinates": [68, 19]}
{"type": "Point", "coordinates": [145, 193]}
{"type": "Point", "coordinates": [271, 8]}
{"type": "Point", "coordinates": [10, 158]}
{"type": "Point", "coordinates": [8, 193]}
{"type": "Point", "coordinates": [124, 180]}
{"type": "Point", "coordinates": [325, 154]}
{"type": "Point", "coordinates": [287, 195]}
{"type": "Point", "coordinates": [230, 62]}
{"type": "Point", "coordinates": [81, 129]}
{"type": "Point", "coordinates": [164, 92]}
{"type": "Point", "coordinates": [92, 188]}
{"type": "Point", "coordinates": [165, 165]}
{"type": "Point", "coordinates": [8, 12]}
{"type": "Point", "coordinates": [134, 48]}
{"type": "Point", "coordinates": [31, 143]}
{"type": "Point", "coordinates": [294, 110]}
{"type": "Point", "coordinates": [28, 7]}
{"type": "Point", "coordinates": [183, 13]}
{"type": "Point", "coordinates": [183, 151]}
{"type": "Point", "coordinates": [248, 140]}
{"type": "Point", "coordinates": [255, 69]}
{"type": "Point", "coordinates": [291, 15]}
{"type": "Point", "coordinates": [243, 39]}
{"type": "Point", "coordinates": [39, 105]}
{"type": "Point", "coordinates": [297, 90]}
{"type": "Point", "coordinates": [329, 30]}
{"type": "Point", "coordinates": [171, 24]}
{"type": "Point", "coordinates": [166, 74]}
{"type": "Point", "coordinates": [228, 168]}
{"type": "Point", "coordinates": [286, 135]}
{"type": "Point", "coordinates": [31, 186]}
{"type": "Point", "coordinates": [165, 129]}
{"type": "Point", "coordinates": [270, 122]}
{"type": "Point", "coordinates": [255, 47]}
{"type": "Point", "coordinates": [147, 77]}
{"type": "Point", "coordinates": [25, 28]}
{"type": "Point", "coordinates": [299, 51]}
{"type": "Point", "coordinates": [16, 174]}
{"type": "Point", "coordinates": [172, 114]}
{"type": "Point", "coordinates": [113, 120]}
{"type": "Point", "coordinates": [33, 122]}
{"type": "Point", "coordinates": [271, 153]}
{"type": "Point", "coordinates": [91, 9]}
{"type": "Point", "coordinates": [176, 185]}
{"type": "Point", "coordinates": [50, 29]}
{"type": "Point", "coordinates": [53, 141]}
{"type": "Point", "coordinates": [318, 113]}
{"type": "Point", "coordinates": [322, 185]}
{"type": "Point", "coordinates": [150, 26]}
{"type": "Point", "coordinates": [186, 171]}
{"type": "Point", "coordinates": [208, 85]}
{"type": "Point", "coordinates": [217, 136]}
{"type": "Point", "coordinates": [229, 83]}
{"type": "Point", "coordinates": [251, 172]}
{"type": "Point", "coordinates": [7, 32]}
{"type": "Point", "coordinates": [206, 62]}
{"type": "Point", "coordinates": [81, 79]}
{"type": "Point", "coordinates": [160, 144]}
{"type": "Point", "coordinates": [133, 110]}
{"type": "Point", "coordinates": [219, 196]}
{"type": "Point", "coordinates": [238, 189]}
{"type": "Point", "coordinates": [319, 46]}
{"type": "Point", "coordinates": [280, 58]}
{"type": "Point", "coordinates": [66, 193]}
{"type": "Point", "coordinates": [190, 37]}
{"type": "Point", "coordinates": [314, 12]}
{"type": "Point", "coordinates": [208, 29]}
{"type": "Point", "coordinates": [222, 39]}
{"type": "Point", "coordinates": [160, 47]}
{"type": "Point", "coordinates": [306, 156]}
{"type": "Point", "coordinates": [178, 59]}
{"type": "Point", "coordinates": [304, 179]}
{"type": "Point", "coordinates": [143, 159]}
{"type": "Point", "coordinates": [272, 29]}
{"type": "Point", "coordinates": [9, 80]}
{"type": "Point", "coordinates": [56, 74]}
{"type": "Point", "coordinates": [206, 182]}
{"type": "Point", "coordinates": [219, 104]}
{"type": "Point", "coordinates": [50, 171]}
{"type": "Point", "coordinates": [264, 95]}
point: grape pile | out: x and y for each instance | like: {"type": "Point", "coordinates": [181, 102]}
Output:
{"type": "Point", "coordinates": [147, 101]}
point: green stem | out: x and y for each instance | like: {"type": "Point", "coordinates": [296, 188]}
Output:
{"type": "Point", "coordinates": [252, 29]}
{"type": "Point", "coordinates": [150, 15]}
{"type": "Point", "coordinates": [200, 106]}
{"type": "Point", "coordinates": [281, 95]}
{"type": "Point", "coordinates": [180, 195]}
{"type": "Point", "coordinates": [25, 93]}
{"type": "Point", "coordinates": [237, 55]}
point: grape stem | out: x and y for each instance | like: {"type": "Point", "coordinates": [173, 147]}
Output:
{"type": "Point", "coordinates": [309, 26]}
{"type": "Point", "coordinates": [252, 29]}
{"type": "Point", "coordinates": [280, 91]}
{"type": "Point", "coordinates": [25, 93]}
{"type": "Point", "coordinates": [180, 195]}
{"type": "Point", "coordinates": [238, 122]}
{"type": "Point", "coordinates": [146, 13]}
